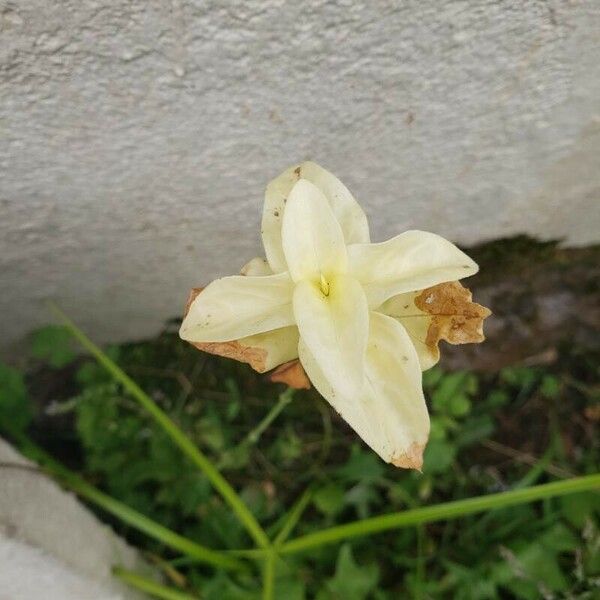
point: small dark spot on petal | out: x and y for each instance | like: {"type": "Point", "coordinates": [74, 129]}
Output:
{"type": "Point", "coordinates": [406, 305]}
{"type": "Point", "coordinates": [276, 213]}
{"type": "Point", "coordinates": [405, 358]}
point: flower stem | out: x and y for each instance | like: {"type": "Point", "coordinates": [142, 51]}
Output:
{"type": "Point", "coordinates": [440, 512]}
{"type": "Point", "coordinates": [193, 453]}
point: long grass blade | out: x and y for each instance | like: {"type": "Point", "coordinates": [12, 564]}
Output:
{"type": "Point", "coordinates": [151, 587]}
{"type": "Point", "coordinates": [441, 512]}
{"type": "Point", "coordinates": [193, 453]}
{"type": "Point", "coordinates": [268, 587]}
{"type": "Point", "coordinates": [292, 517]}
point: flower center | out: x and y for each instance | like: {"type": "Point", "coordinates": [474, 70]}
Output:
{"type": "Point", "coordinates": [324, 285]}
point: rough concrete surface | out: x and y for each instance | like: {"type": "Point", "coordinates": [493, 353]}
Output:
{"type": "Point", "coordinates": [136, 138]}
{"type": "Point", "coordinates": [51, 547]}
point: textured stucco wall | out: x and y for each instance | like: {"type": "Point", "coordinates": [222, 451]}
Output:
{"type": "Point", "coordinates": [136, 138]}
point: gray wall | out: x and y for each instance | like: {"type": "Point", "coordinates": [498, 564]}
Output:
{"type": "Point", "coordinates": [137, 137]}
{"type": "Point", "coordinates": [53, 548]}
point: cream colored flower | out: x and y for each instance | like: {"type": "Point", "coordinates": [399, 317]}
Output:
{"type": "Point", "coordinates": [346, 307]}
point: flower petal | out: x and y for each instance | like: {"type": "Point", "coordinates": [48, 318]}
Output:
{"type": "Point", "coordinates": [256, 267]}
{"type": "Point", "coordinates": [335, 329]}
{"type": "Point", "coordinates": [279, 346]}
{"type": "Point", "coordinates": [416, 322]}
{"type": "Point", "coordinates": [390, 413]}
{"type": "Point", "coordinates": [313, 242]}
{"type": "Point", "coordinates": [410, 261]}
{"type": "Point", "coordinates": [236, 307]}
{"type": "Point", "coordinates": [348, 213]}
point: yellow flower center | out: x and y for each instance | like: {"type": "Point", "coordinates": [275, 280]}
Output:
{"type": "Point", "coordinates": [324, 285]}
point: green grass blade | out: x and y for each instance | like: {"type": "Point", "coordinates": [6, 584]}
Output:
{"type": "Point", "coordinates": [284, 399]}
{"type": "Point", "coordinates": [268, 588]}
{"type": "Point", "coordinates": [292, 518]}
{"type": "Point", "coordinates": [124, 513]}
{"type": "Point", "coordinates": [193, 453]}
{"type": "Point", "coordinates": [441, 512]}
{"type": "Point", "coordinates": [151, 587]}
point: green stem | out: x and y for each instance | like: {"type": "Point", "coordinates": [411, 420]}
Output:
{"type": "Point", "coordinates": [440, 512]}
{"type": "Point", "coordinates": [124, 513]}
{"type": "Point", "coordinates": [537, 470]}
{"type": "Point", "coordinates": [292, 518]}
{"type": "Point", "coordinates": [284, 399]}
{"type": "Point", "coordinates": [151, 587]}
{"type": "Point", "coordinates": [193, 453]}
{"type": "Point", "coordinates": [269, 576]}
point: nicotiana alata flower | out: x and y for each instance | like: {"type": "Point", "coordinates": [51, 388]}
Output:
{"type": "Point", "coordinates": [364, 319]}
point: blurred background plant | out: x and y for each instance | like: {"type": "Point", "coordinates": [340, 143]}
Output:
{"type": "Point", "coordinates": [490, 432]}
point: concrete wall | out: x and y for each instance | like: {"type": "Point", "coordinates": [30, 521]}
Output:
{"type": "Point", "coordinates": [51, 547]}
{"type": "Point", "coordinates": [137, 137]}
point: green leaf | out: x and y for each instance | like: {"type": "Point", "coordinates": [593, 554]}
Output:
{"type": "Point", "coordinates": [351, 581]}
{"type": "Point", "coordinates": [362, 496]}
{"type": "Point", "coordinates": [459, 405]}
{"type": "Point", "coordinates": [452, 393]}
{"type": "Point", "coordinates": [473, 430]}
{"type": "Point", "coordinates": [519, 377]}
{"type": "Point", "coordinates": [290, 589]}
{"type": "Point", "coordinates": [532, 566]}
{"type": "Point", "coordinates": [16, 411]}
{"type": "Point", "coordinates": [234, 405]}
{"type": "Point", "coordinates": [438, 456]}
{"type": "Point", "coordinates": [329, 500]}
{"type": "Point", "coordinates": [438, 428]}
{"type": "Point", "coordinates": [550, 386]}
{"type": "Point", "coordinates": [578, 508]}
{"type": "Point", "coordinates": [559, 538]}
{"type": "Point", "coordinates": [364, 467]}
{"type": "Point", "coordinates": [432, 377]}
{"type": "Point", "coordinates": [53, 344]}
{"type": "Point", "coordinates": [497, 399]}
{"type": "Point", "coordinates": [221, 587]}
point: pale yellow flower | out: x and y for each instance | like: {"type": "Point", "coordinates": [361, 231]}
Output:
{"type": "Point", "coordinates": [342, 305]}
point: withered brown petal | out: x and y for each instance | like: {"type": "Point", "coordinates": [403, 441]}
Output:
{"type": "Point", "coordinates": [291, 373]}
{"type": "Point", "coordinates": [455, 317]}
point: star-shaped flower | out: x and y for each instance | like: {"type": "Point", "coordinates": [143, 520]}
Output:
{"type": "Point", "coordinates": [363, 319]}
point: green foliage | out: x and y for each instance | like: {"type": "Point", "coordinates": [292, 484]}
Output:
{"type": "Point", "coordinates": [485, 429]}
{"type": "Point", "coordinates": [15, 408]}
{"type": "Point", "coordinates": [54, 345]}
{"type": "Point", "coordinates": [351, 581]}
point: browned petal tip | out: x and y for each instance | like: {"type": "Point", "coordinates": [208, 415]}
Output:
{"type": "Point", "coordinates": [411, 459]}
{"type": "Point", "coordinates": [292, 374]}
